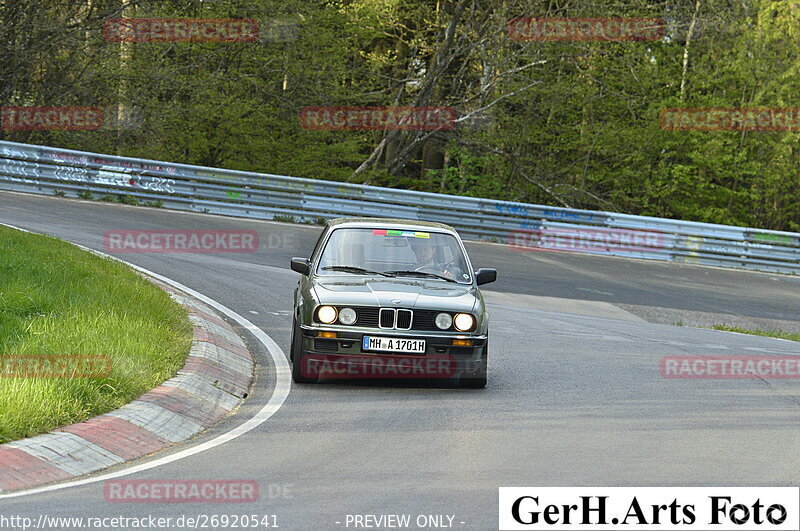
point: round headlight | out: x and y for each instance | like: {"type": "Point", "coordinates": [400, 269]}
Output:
{"type": "Point", "coordinates": [443, 321]}
{"type": "Point", "coordinates": [347, 316]}
{"type": "Point", "coordinates": [326, 314]}
{"type": "Point", "coordinates": [464, 322]}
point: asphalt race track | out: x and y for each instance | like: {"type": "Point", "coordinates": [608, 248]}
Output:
{"type": "Point", "coordinates": [572, 400]}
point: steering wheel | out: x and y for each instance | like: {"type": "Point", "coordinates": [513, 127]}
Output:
{"type": "Point", "coordinates": [445, 269]}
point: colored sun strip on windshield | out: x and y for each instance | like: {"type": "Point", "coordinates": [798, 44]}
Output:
{"type": "Point", "coordinates": [412, 234]}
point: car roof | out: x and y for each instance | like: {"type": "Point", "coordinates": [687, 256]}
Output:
{"type": "Point", "coordinates": [389, 223]}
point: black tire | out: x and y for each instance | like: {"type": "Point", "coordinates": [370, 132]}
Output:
{"type": "Point", "coordinates": [296, 355]}
{"type": "Point", "coordinates": [478, 379]}
{"type": "Point", "coordinates": [294, 331]}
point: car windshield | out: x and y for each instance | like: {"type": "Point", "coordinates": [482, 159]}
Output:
{"type": "Point", "coordinates": [394, 253]}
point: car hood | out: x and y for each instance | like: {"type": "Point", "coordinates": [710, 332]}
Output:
{"type": "Point", "coordinates": [411, 293]}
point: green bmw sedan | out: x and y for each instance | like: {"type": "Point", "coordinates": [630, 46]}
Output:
{"type": "Point", "coordinates": [384, 298]}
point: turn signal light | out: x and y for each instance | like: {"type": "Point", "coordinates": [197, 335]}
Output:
{"type": "Point", "coordinates": [331, 335]}
{"type": "Point", "coordinates": [462, 342]}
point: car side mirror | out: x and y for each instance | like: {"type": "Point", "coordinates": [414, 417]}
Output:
{"type": "Point", "coordinates": [485, 275]}
{"type": "Point", "coordinates": [301, 265]}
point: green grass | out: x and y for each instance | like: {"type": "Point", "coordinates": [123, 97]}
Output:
{"type": "Point", "coordinates": [58, 300]}
{"type": "Point", "coordinates": [767, 333]}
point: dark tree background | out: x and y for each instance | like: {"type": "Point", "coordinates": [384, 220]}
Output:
{"type": "Point", "coordinates": [562, 123]}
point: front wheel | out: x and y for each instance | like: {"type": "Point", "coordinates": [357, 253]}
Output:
{"type": "Point", "coordinates": [296, 355]}
{"type": "Point", "coordinates": [478, 379]}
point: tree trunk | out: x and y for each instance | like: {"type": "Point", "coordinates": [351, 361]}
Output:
{"type": "Point", "coordinates": [686, 48]}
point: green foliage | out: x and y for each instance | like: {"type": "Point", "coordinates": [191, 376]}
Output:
{"type": "Point", "coordinates": [573, 123]}
{"type": "Point", "coordinates": [57, 300]}
{"type": "Point", "coordinates": [126, 200]}
{"type": "Point", "coordinates": [791, 336]}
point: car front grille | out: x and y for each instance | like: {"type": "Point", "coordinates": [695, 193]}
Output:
{"type": "Point", "coordinates": [387, 317]}
{"type": "Point", "coordinates": [396, 319]}
{"type": "Point", "coordinates": [373, 317]}
{"type": "Point", "coordinates": [367, 317]}
{"type": "Point", "coordinates": [423, 320]}
{"type": "Point", "coordinates": [404, 319]}
{"type": "Point", "coordinates": [326, 345]}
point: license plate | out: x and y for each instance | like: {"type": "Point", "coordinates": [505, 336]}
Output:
{"type": "Point", "coordinates": [392, 344]}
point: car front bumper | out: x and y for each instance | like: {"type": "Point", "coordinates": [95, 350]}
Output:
{"type": "Point", "coordinates": [344, 355]}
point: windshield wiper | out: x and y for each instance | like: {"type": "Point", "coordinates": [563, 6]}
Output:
{"type": "Point", "coordinates": [420, 274]}
{"type": "Point", "coordinates": [356, 270]}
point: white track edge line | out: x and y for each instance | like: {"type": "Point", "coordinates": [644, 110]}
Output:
{"type": "Point", "coordinates": [282, 386]}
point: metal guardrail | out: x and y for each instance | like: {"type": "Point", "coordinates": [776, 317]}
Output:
{"type": "Point", "coordinates": [525, 227]}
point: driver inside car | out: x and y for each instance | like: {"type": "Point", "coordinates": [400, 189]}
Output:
{"type": "Point", "coordinates": [427, 260]}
